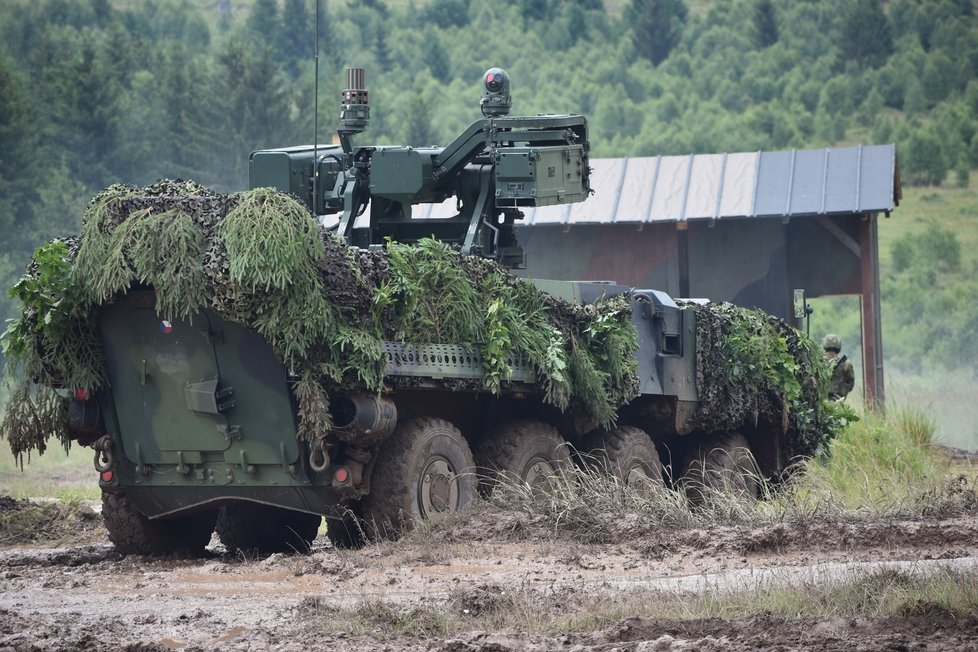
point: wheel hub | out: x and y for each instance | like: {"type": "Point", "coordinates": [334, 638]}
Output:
{"type": "Point", "coordinates": [539, 473]}
{"type": "Point", "coordinates": [438, 490]}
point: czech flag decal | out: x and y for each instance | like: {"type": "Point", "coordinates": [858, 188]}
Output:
{"type": "Point", "coordinates": [166, 327]}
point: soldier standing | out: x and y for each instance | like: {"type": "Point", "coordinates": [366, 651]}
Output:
{"type": "Point", "coordinates": [843, 377]}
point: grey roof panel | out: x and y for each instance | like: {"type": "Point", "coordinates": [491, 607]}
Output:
{"type": "Point", "coordinates": [670, 190]}
{"type": "Point", "coordinates": [737, 198]}
{"type": "Point", "coordinates": [636, 198]}
{"type": "Point", "coordinates": [806, 191]}
{"type": "Point", "coordinates": [842, 180]}
{"type": "Point", "coordinates": [705, 179]}
{"type": "Point", "coordinates": [773, 178]}
{"type": "Point", "coordinates": [879, 181]}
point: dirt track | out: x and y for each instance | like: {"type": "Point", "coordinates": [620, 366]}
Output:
{"type": "Point", "coordinates": [87, 597]}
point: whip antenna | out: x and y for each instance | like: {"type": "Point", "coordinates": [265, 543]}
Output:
{"type": "Point", "coordinates": [315, 125]}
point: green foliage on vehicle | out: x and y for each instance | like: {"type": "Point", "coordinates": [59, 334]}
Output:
{"type": "Point", "coordinates": [44, 295]}
{"type": "Point", "coordinates": [259, 259]}
{"type": "Point", "coordinates": [752, 367]}
{"type": "Point", "coordinates": [52, 342]}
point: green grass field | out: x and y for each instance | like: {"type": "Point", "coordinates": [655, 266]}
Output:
{"type": "Point", "coordinates": [55, 474]}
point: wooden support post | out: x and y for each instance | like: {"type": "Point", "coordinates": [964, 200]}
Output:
{"type": "Point", "coordinates": [870, 304]}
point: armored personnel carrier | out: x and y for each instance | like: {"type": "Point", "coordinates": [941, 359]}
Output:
{"type": "Point", "coordinates": [203, 420]}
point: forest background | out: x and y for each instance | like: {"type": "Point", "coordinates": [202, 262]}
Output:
{"type": "Point", "coordinates": [95, 92]}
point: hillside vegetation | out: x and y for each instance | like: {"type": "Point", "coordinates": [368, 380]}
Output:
{"type": "Point", "coordinates": [95, 92]}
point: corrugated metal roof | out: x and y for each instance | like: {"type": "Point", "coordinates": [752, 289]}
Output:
{"type": "Point", "coordinates": [753, 184]}
{"type": "Point", "coordinates": [635, 190]}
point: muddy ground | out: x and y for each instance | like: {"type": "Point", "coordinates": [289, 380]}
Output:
{"type": "Point", "coordinates": [479, 585]}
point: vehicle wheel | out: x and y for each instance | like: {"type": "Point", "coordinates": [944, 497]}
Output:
{"type": "Point", "coordinates": [628, 454]}
{"type": "Point", "coordinates": [721, 463]}
{"type": "Point", "coordinates": [423, 471]}
{"type": "Point", "coordinates": [526, 451]}
{"type": "Point", "coordinates": [133, 533]}
{"type": "Point", "coordinates": [345, 527]}
{"type": "Point", "coordinates": [260, 529]}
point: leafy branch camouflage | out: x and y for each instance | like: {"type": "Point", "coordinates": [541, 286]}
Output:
{"type": "Point", "coordinates": [261, 260]}
{"type": "Point", "coordinates": [754, 368]}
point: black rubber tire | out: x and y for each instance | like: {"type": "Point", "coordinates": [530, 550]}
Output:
{"type": "Point", "coordinates": [133, 533]}
{"type": "Point", "coordinates": [721, 462]}
{"type": "Point", "coordinates": [525, 451]}
{"type": "Point", "coordinates": [345, 528]}
{"type": "Point", "coordinates": [628, 454]}
{"type": "Point", "coordinates": [425, 469]}
{"type": "Point", "coordinates": [260, 529]}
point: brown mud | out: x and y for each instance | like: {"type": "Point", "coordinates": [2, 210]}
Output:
{"type": "Point", "coordinates": [461, 577]}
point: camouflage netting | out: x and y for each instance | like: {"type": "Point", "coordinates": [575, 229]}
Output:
{"type": "Point", "coordinates": [753, 369]}
{"type": "Point", "coordinates": [260, 259]}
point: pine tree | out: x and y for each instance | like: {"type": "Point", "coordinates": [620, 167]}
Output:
{"type": "Point", "coordinates": [866, 38]}
{"type": "Point", "coordinates": [263, 19]}
{"type": "Point", "coordinates": [419, 131]}
{"type": "Point", "coordinates": [17, 158]}
{"type": "Point", "coordinates": [296, 38]}
{"type": "Point", "coordinates": [446, 13]}
{"type": "Point", "coordinates": [438, 60]}
{"type": "Point", "coordinates": [657, 26]}
{"type": "Point", "coordinates": [765, 24]}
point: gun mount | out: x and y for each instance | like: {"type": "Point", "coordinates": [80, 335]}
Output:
{"type": "Point", "coordinates": [497, 166]}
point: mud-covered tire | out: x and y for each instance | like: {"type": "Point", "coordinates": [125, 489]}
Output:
{"type": "Point", "coordinates": [131, 532]}
{"type": "Point", "coordinates": [260, 529]}
{"type": "Point", "coordinates": [721, 463]}
{"type": "Point", "coordinates": [628, 454]}
{"type": "Point", "coordinates": [423, 471]}
{"type": "Point", "coordinates": [345, 527]}
{"type": "Point", "coordinates": [525, 451]}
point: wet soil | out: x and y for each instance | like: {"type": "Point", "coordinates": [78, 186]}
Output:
{"type": "Point", "coordinates": [81, 596]}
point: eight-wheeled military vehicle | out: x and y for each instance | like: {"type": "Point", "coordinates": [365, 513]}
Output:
{"type": "Point", "coordinates": [200, 418]}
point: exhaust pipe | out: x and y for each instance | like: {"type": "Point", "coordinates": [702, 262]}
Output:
{"type": "Point", "coordinates": [363, 419]}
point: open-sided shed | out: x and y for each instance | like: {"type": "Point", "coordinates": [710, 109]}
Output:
{"type": "Point", "coordinates": [748, 228]}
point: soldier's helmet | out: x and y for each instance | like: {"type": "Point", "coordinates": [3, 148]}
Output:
{"type": "Point", "coordinates": [831, 342]}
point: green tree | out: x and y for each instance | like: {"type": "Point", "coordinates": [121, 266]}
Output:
{"type": "Point", "coordinates": [657, 26]}
{"type": "Point", "coordinates": [170, 20]}
{"type": "Point", "coordinates": [765, 24]}
{"type": "Point", "coordinates": [80, 86]}
{"type": "Point", "coordinates": [419, 130]}
{"type": "Point", "coordinates": [19, 162]}
{"type": "Point", "coordinates": [248, 108]}
{"type": "Point", "coordinates": [939, 78]}
{"type": "Point", "coordinates": [295, 41]}
{"type": "Point", "coordinates": [263, 19]}
{"type": "Point", "coordinates": [866, 37]}
{"type": "Point", "coordinates": [922, 160]}
{"type": "Point", "coordinates": [437, 57]}
{"type": "Point", "coordinates": [535, 9]}
{"type": "Point", "coordinates": [446, 13]}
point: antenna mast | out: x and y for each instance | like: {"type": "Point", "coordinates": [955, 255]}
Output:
{"type": "Point", "coordinates": [315, 126]}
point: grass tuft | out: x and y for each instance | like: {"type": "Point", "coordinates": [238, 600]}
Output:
{"type": "Point", "coordinates": [23, 521]}
{"type": "Point", "coordinates": [879, 466]}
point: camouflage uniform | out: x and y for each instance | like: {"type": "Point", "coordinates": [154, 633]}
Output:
{"type": "Point", "coordinates": [843, 377]}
